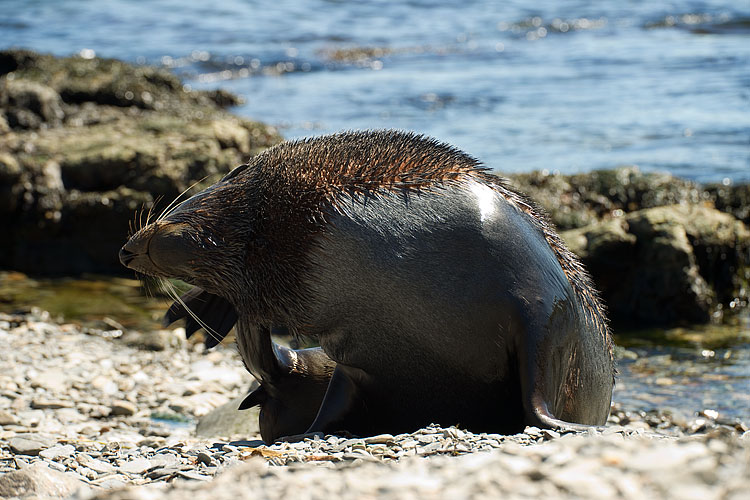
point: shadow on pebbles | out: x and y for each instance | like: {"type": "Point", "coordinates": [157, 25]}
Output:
{"type": "Point", "coordinates": [84, 415]}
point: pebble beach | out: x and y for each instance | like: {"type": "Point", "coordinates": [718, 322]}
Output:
{"type": "Point", "coordinates": [111, 414]}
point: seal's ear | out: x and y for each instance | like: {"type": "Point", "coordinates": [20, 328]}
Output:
{"type": "Point", "coordinates": [235, 172]}
{"type": "Point", "coordinates": [255, 398]}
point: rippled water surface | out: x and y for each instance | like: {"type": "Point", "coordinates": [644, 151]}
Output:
{"type": "Point", "coordinates": [558, 85]}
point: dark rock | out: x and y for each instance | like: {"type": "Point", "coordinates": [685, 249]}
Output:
{"type": "Point", "coordinates": [732, 199]}
{"type": "Point", "coordinates": [10, 188]}
{"type": "Point", "coordinates": [666, 265]}
{"type": "Point", "coordinates": [204, 458]}
{"type": "Point", "coordinates": [578, 200]}
{"type": "Point", "coordinates": [123, 408]}
{"type": "Point", "coordinates": [109, 139]}
{"type": "Point", "coordinates": [28, 104]}
{"type": "Point", "coordinates": [39, 481]}
{"type": "Point", "coordinates": [11, 60]}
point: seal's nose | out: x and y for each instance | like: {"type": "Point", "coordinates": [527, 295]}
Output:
{"type": "Point", "coordinates": [126, 256]}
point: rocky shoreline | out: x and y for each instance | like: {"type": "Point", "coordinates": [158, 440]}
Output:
{"type": "Point", "coordinates": [88, 142]}
{"type": "Point", "coordinates": [90, 413]}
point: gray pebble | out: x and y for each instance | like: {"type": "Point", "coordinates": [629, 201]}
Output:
{"type": "Point", "coordinates": [204, 458]}
{"type": "Point", "coordinates": [59, 451]}
{"type": "Point", "coordinates": [7, 418]}
{"type": "Point", "coordinates": [123, 408]}
{"type": "Point", "coordinates": [189, 474]}
{"type": "Point", "coordinates": [136, 466]}
{"type": "Point", "coordinates": [28, 445]}
{"type": "Point", "coordinates": [379, 439]}
{"type": "Point", "coordinates": [112, 441]}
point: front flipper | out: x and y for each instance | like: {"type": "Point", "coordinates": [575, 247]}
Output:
{"type": "Point", "coordinates": [540, 416]}
{"type": "Point", "coordinates": [207, 310]}
{"type": "Point", "coordinates": [290, 396]}
{"type": "Point", "coordinates": [344, 409]}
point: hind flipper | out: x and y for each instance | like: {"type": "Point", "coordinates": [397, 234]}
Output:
{"type": "Point", "coordinates": [343, 408]}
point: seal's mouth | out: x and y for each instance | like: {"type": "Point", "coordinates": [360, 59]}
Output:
{"type": "Point", "coordinates": [126, 256]}
{"type": "Point", "coordinates": [135, 253]}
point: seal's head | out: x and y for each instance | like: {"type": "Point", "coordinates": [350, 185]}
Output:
{"type": "Point", "coordinates": [203, 241]}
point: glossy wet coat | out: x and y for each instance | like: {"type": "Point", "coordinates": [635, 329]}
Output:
{"type": "Point", "coordinates": [440, 293]}
{"type": "Point", "coordinates": [450, 307]}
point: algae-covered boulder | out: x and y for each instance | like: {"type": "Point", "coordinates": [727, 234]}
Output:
{"type": "Point", "coordinates": [578, 200]}
{"type": "Point", "coordinates": [29, 105]}
{"type": "Point", "coordinates": [667, 265]}
{"type": "Point", "coordinates": [734, 199]}
{"type": "Point", "coordinates": [85, 143]}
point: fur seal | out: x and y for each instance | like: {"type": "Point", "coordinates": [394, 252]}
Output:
{"type": "Point", "coordinates": [437, 292]}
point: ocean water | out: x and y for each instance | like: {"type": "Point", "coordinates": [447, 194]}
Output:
{"type": "Point", "coordinates": [563, 85]}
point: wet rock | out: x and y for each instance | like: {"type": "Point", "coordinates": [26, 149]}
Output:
{"type": "Point", "coordinates": [29, 105]}
{"type": "Point", "coordinates": [665, 265]}
{"type": "Point", "coordinates": [578, 200]}
{"type": "Point", "coordinates": [108, 138]}
{"type": "Point", "coordinates": [39, 481]}
{"type": "Point", "coordinates": [734, 199]}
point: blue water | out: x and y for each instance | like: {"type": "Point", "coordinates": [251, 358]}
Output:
{"type": "Point", "coordinates": [559, 85]}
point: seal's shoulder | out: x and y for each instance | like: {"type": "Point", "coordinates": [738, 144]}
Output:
{"type": "Point", "coordinates": [370, 161]}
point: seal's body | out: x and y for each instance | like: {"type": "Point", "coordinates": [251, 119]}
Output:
{"type": "Point", "coordinates": [438, 294]}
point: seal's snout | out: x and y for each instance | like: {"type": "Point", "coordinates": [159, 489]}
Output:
{"type": "Point", "coordinates": [136, 246]}
{"type": "Point", "coordinates": [164, 249]}
{"type": "Point", "coordinates": [126, 256]}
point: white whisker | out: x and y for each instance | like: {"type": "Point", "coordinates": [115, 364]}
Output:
{"type": "Point", "coordinates": [172, 206]}
{"type": "Point", "coordinates": [169, 288]}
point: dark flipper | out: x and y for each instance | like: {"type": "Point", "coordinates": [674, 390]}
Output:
{"type": "Point", "coordinates": [343, 407]}
{"type": "Point", "coordinates": [255, 398]}
{"type": "Point", "coordinates": [214, 311]}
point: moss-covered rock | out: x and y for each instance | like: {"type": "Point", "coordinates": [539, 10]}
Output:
{"type": "Point", "coordinates": [29, 104]}
{"type": "Point", "coordinates": [667, 265]}
{"type": "Point", "coordinates": [85, 143]}
{"type": "Point", "coordinates": [578, 200]}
